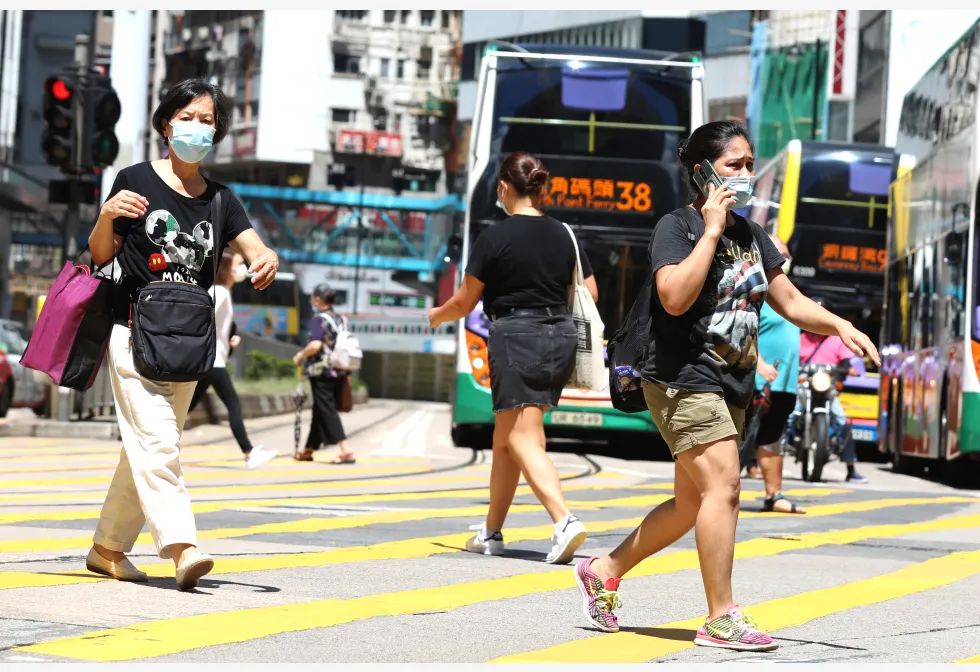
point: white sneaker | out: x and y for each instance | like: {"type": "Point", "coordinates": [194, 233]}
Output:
{"type": "Point", "coordinates": [569, 535]}
{"type": "Point", "coordinates": [259, 456]}
{"type": "Point", "coordinates": [486, 545]}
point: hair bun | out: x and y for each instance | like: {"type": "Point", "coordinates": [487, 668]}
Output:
{"type": "Point", "coordinates": [537, 177]}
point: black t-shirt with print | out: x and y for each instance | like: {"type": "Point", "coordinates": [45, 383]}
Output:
{"type": "Point", "coordinates": [174, 240]}
{"type": "Point", "coordinates": [714, 346]}
{"type": "Point", "coordinates": [525, 261]}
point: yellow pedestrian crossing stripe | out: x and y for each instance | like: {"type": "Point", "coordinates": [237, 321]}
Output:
{"type": "Point", "coordinates": [322, 524]}
{"type": "Point", "coordinates": [158, 638]}
{"type": "Point", "coordinates": [325, 500]}
{"type": "Point", "coordinates": [786, 612]}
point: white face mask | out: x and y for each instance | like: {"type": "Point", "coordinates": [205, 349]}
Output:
{"type": "Point", "coordinates": [500, 204]}
{"type": "Point", "coordinates": [742, 186]}
{"type": "Point", "coordinates": [239, 273]}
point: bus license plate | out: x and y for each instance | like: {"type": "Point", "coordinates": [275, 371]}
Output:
{"type": "Point", "coordinates": [582, 419]}
{"type": "Point", "coordinates": [863, 434]}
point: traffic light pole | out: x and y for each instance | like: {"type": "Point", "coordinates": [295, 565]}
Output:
{"type": "Point", "coordinates": [61, 397]}
{"type": "Point", "coordinates": [83, 61]}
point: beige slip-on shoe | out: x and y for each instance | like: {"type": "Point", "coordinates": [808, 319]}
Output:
{"type": "Point", "coordinates": [193, 565]}
{"type": "Point", "coordinates": [122, 570]}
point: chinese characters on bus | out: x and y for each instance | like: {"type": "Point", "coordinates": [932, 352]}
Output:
{"type": "Point", "coordinates": [834, 256]}
{"type": "Point", "coordinates": [599, 194]}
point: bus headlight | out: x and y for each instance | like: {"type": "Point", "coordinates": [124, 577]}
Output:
{"type": "Point", "coordinates": [476, 350]}
{"type": "Point", "coordinates": [820, 381]}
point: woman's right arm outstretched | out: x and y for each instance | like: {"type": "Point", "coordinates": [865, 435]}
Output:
{"type": "Point", "coordinates": [103, 242]}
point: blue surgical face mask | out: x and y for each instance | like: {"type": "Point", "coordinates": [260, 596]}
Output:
{"type": "Point", "coordinates": [500, 204]}
{"type": "Point", "coordinates": [191, 140]}
{"type": "Point", "coordinates": [742, 186]}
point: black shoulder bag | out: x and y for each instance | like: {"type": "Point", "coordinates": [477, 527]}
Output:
{"type": "Point", "coordinates": [172, 323]}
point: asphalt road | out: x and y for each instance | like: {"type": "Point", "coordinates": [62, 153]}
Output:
{"type": "Point", "coordinates": [364, 562]}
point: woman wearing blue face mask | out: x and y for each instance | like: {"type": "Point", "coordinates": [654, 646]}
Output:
{"type": "Point", "coordinates": [522, 267]}
{"type": "Point", "coordinates": [158, 222]}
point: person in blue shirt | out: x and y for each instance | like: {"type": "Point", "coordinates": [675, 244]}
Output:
{"type": "Point", "coordinates": [779, 341]}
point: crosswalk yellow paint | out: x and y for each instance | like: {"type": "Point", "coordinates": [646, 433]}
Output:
{"type": "Point", "coordinates": [323, 500]}
{"type": "Point", "coordinates": [163, 637]}
{"type": "Point", "coordinates": [192, 476]}
{"type": "Point", "coordinates": [321, 523]}
{"type": "Point", "coordinates": [99, 495]}
{"type": "Point", "coordinates": [637, 647]}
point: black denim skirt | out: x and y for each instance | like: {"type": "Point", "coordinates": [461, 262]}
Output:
{"type": "Point", "coordinates": [531, 359]}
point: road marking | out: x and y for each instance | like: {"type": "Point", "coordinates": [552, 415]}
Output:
{"type": "Point", "coordinates": [221, 505]}
{"type": "Point", "coordinates": [265, 487]}
{"type": "Point", "coordinates": [163, 637]}
{"type": "Point", "coordinates": [203, 477]}
{"type": "Point", "coordinates": [774, 615]}
{"type": "Point", "coordinates": [321, 523]}
{"type": "Point", "coordinates": [395, 439]}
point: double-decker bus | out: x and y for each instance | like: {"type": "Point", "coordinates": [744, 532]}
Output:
{"type": "Point", "coordinates": [930, 387]}
{"type": "Point", "coordinates": [828, 202]}
{"type": "Point", "coordinates": [606, 123]}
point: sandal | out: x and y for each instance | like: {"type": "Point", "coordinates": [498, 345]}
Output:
{"type": "Point", "coordinates": [769, 504]}
{"type": "Point", "coordinates": [343, 458]}
{"type": "Point", "coordinates": [303, 455]}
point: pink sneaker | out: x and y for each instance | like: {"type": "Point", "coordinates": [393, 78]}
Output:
{"type": "Point", "coordinates": [599, 597]}
{"type": "Point", "coordinates": [735, 630]}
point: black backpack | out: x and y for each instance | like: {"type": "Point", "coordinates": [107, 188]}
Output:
{"type": "Point", "coordinates": [628, 350]}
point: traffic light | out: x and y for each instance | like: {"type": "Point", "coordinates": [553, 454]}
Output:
{"type": "Point", "coordinates": [102, 111]}
{"type": "Point", "coordinates": [57, 142]}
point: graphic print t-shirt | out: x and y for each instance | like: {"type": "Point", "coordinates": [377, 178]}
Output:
{"type": "Point", "coordinates": [174, 240]}
{"type": "Point", "coordinates": [714, 346]}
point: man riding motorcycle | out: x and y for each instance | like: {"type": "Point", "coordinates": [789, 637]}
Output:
{"type": "Point", "coordinates": [830, 350]}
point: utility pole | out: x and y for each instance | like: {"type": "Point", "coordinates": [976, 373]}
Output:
{"type": "Point", "coordinates": [83, 65]}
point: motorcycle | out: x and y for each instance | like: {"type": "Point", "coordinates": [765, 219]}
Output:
{"type": "Point", "coordinates": [810, 435]}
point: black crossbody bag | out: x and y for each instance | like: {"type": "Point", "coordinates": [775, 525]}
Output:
{"type": "Point", "coordinates": [172, 323]}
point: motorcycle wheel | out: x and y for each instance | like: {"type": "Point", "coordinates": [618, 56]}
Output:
{"type": "Point", "coordinates": [821, 434]}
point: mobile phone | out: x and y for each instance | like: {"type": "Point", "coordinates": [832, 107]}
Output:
{"type": "Point", "coordinates": [705, 175]}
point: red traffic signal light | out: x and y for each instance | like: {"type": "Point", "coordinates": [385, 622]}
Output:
{"type": "Point", "coordinates": [58, 88]}
{"type": "Point", "coordinates": [57, 140]}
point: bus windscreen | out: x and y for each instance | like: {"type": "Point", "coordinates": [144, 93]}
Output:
{"type": "Point", "coordinates": [608, 135]}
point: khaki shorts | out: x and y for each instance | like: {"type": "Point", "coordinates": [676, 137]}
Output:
{"type": "Point", "coordinates": [688, 419]}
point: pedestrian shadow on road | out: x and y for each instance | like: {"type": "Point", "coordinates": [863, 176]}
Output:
{"type": "Point", "coordinates": [167, 583]}
{"type": "Point", "coordinates": [673, 634]}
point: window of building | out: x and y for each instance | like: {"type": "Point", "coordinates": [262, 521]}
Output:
{"type": "Point", "coordinates": [400, 73]}
{"type": "Point", "coordinates": [427, 17]}
{"type": "Point", "coordinates": [346, 63]}
{"type": "Point", "coordinates": [340, 115]}
{"type": "Point", "coordinates": [404, 16]}
{"type": "Point", "coordinates": [352, 14]}
{"type": "Point", "coordinates": [425, 62]}
{"type": "Point", "coordinates": [390, 15]}
{"type": "Point", "coordinates": [385, 67]}
{"type": "Point", "coordinates": [446, 16]}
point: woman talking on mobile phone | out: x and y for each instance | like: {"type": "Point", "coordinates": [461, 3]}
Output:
{"type": "Point", "coordinates": [712, 271]}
